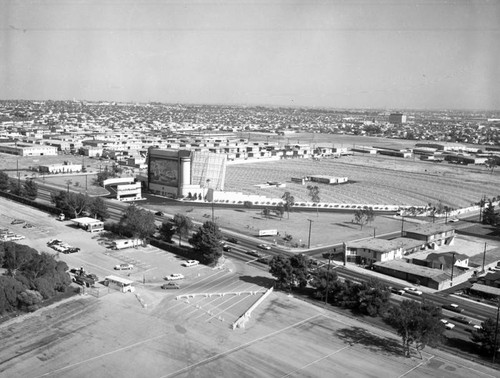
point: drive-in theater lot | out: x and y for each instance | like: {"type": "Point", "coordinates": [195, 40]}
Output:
{"type": "Point", "coordinates": [153, 334]}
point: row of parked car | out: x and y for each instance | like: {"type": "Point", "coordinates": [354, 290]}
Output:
{"type": "Point", "coordinates": [7, 235]}
{"type": "Point", "coordinates": [60, 246]}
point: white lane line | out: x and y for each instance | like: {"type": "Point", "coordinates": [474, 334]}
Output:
{"type": "Point", "coordinates": [103, 355]}
{"type": "Point", "coordinates": [315, 361]}
{"type": "Point", "coordinates": [416, 367]}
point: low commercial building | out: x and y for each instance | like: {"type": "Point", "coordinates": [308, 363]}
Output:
{"type": "Point", "coordinates": [60, 168]}
{"type": "Point", "coordinates": [422, 275]}
{"type": "Point", "coordinates": [330, 180]}
{"type": "Point", "coordinates": [28, 149]}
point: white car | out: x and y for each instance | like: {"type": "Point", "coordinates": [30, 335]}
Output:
{"type": "Point", "coordinates": [174, 276]}
{"type": "Point", "coordinates": [124, 267]}
{"type": "Point", "coordinates": [59, 248]}
{"type": "Point", "coordinates": [265, 246]}
{"type": "Point", "coordinates": [449, 325]}
{"type": "Point", "coordinates": [453, 220]}
{"type": "Point", "coordinates": [17, 237]}
{"type": "Point", "coordinates": [413, 291]}
{"type": "Point", "coordinates": [190, 263]}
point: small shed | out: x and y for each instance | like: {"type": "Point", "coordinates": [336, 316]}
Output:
{"type": "Point", "coordinates": [119, 283]}
{"type": "Point", "coordinates": [89, 224]}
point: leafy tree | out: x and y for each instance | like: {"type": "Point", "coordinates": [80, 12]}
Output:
{"type": "Point", "coordinates": [417, 323]}
{"type": "Point", "coordinates": [281, 269]}
{"type": "Point", "coordinates": [489, 215]}
{"type": "Point", "coordinates": [492, 162]}
{"type": "Point", "coordinates": [104, 175]}
{"type": "Point", "coordinates": [29, 298]}
{"type": "Point", "coordinates": [30, 189]}
{"type": "Point", "coordinates": [266, 212]}
{"type": "Point", "coordinates": [4, 181]}
{"type": "Point", "coordinates": [323, 279]}
{"type": "Point", "coordinates": [289, 202]}
{"type": "Point", "coordinates": [289, 270]}
{"type": "Point", "coordinates": [361, 217]}
{"type": "Point", "coordinates": [183, 225]}
{"type": "Point", "coordinates": [373, 297]}
{"type": "Point", "coordinates": [71, 204]}
{"type": "Point", "coordinates": [16, 255]}
{"type": "Point", "coordinates": [16, 188]}
{"type": "Point", "coordinates": [207, 242]}
{"type": "Point", "coordinates": [167, 231]}
{"type": "Point", "coordinates": [10, 288]}
{"type": "Point", "coordinates": [314, 194]}
{"type": "Point", "coordinates": [97, 208]}
{"type": "Point", "coordinates": [280, 210]}
{"type": "Point", "coordinates": [486, 335]}
{"type": "Point", "coordinates": [138, 222]}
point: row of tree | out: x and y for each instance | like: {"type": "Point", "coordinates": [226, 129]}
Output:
{"type": "Point", "coordinates": [140, 224]}
{"type": "Point", "coordinates": [30, 277]}
{"type": "Point", "coordinates": [27, 189]}
{"type": "Point", "coordinates": [417, 323]}
{"type": "Point", "coordinates": [74, 205]}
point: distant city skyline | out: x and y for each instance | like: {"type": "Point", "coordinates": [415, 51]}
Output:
{"type": "Point", "coordinates": [380, 54]}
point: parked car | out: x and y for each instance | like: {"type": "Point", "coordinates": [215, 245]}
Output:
{"type": "Point", "coordinates": [170, 285]}
{"type": "Point", "coordinates": [453, 307]}
{"type": "Point", "coordinates": [159, 214]}
{"type": "Point", "coordinates": [28, 225]}
{"type": "Point", "coordinates": [72, 250]}
{"type": "Point", "coordinates": [226, 248]}
{"type": "Point", "coordinates": [52, 242]}
{"type": "Point", "coordinates": [17, 221]}
{"type": "Point", "coordinates": [174, 276]}
{"type": "Point", "coordinates": [461, 319]}
{"type": "Point", "coordinates": [412, 291]}
{"type": "Point", "coordinates": [232, 240]}
{"type": "Point", "coordinates": [124, 267]}
{"type": "Point", "coordinates": [59, 248]}
{"type": "Point", "coordinates": [17, 237]}
{"type": "Point", "coordinates": [264, 246]}
{"type": "Point", "coordinates": [453, 220]}
{"type": "Point", "coordinates": [189, 263]}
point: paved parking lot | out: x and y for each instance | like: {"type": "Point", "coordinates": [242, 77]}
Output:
{"type": "Point", "coordinates": [161, 336]}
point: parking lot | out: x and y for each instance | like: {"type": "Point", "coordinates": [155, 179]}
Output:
{"type": "Point", "coordinates": [187, 331]}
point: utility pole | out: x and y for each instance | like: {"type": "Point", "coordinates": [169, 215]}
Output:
{"type": "Point", "coordinates": [328, 278]}
{"type": "Point", "coordinates": [309, 241]}
{"type": "Point", "coordinates": [484, 256]}
{"type": "Point", "coordinates": [402, 224]}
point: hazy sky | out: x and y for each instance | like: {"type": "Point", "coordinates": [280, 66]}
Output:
{"type": "Point", "coordinates": [379, 54]}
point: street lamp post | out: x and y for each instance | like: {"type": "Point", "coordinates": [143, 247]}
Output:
{"type": "Point", "coordinates": [328, 278]}
{"type": "Point", "coordinates": [309, 240]}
